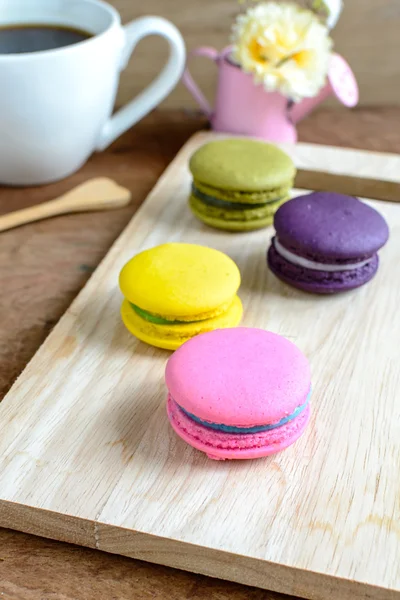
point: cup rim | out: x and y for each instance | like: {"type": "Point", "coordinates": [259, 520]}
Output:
{"type": "Point", "coordinates": [115, 21]}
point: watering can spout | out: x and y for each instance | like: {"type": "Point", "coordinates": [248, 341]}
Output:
{"type": "Point", "coordinates": [301, 109]}
{"type": "Point", "coordinates": [341, 83]}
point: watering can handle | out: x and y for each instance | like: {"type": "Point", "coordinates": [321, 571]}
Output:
{"type": "Point", "coordinates": [190, 84]}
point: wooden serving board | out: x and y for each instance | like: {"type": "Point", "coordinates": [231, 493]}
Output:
{"type": "Point", "coordinates": [87, 456]}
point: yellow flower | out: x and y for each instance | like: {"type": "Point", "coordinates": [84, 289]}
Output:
{"type": "Point", "coordinates": [285, 47]}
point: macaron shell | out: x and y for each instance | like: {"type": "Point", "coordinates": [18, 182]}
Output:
{"type": "Point", "coordinates": [234, 220]}
{"type": "Point", "coordinates": [170, 337]}
{"type": "Point", "coordinates": [320, 282]}
{"type": "Point", "coordinates": [221, 446]}
{"type": "Point", "coordinates": [181, 281]}
{"type": "Point", "coordinates": [243, 377]}
{"type": "Point", "coordinates": [326, 226]}
{"type": "Point", "coordinates": [242, 164]}
{"type": "Point", "coordinates": [233, 226]}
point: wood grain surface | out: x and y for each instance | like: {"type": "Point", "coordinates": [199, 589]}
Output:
{"type": "Point", "coordinates": [366, 35]}
{"type": "Point", "coordinates": [87, 455]}
{"type": "Point", "coordinates": [43, 266]}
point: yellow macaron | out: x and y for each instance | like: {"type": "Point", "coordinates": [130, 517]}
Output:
{"type": "Point", "coordinates": [176, 291]}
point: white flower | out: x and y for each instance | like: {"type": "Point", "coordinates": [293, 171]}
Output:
{"type": "Point", "coordinates": [285, 47]}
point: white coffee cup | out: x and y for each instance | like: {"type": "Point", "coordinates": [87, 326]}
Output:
{"type": "Point", "coordinates": [56, 105]}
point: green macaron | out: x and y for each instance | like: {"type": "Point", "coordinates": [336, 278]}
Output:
{"type": "Point", "coordinates": [239, 183]}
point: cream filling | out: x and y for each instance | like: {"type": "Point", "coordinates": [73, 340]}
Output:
{"type": "Point", "coordinates": [300, 261]}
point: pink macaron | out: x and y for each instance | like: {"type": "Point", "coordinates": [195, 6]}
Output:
{"type": "Point", "coordinates": [238, 393]}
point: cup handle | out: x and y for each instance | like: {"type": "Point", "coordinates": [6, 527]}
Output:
{"type": "Point", "coordinates": [158, 89]}
{"type": "Point", "coordinates": [190, 84]}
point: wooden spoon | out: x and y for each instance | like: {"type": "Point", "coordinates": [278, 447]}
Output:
{"type": "Point", "coordinates": [100, 193]}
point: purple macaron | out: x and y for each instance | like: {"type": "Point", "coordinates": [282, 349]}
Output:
{"type": "Point", "coordinates": [326, 242]}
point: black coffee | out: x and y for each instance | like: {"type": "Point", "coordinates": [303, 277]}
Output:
{"type": "Point", "coordinates": [19, 39]}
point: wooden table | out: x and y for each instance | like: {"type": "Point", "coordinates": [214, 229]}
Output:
{"type": "Point", "coordinates": [42, 268]}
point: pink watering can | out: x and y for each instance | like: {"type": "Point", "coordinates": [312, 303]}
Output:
{"type": "Point", "coordinates": [241, 107]}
